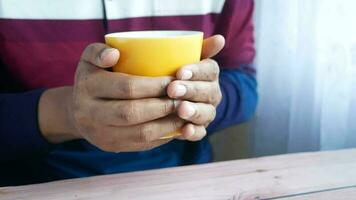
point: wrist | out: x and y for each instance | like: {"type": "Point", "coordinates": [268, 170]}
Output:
{"type": "Point", "coordinates": [54, 118]}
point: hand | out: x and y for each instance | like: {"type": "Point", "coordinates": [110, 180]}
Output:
{"type": "Point", "coordinates": [198, 88]}
{"type": "Point", "coordinates": [113, 111]}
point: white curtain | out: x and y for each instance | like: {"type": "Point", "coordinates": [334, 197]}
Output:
{"type": "Point", "coordinates": [307, 75]}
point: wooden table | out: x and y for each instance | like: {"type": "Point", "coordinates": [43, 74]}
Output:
{"type": "Point", "coordinates": [326, 175]}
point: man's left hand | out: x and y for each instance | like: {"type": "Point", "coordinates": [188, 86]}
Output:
{"type": "Point", "coordinates": [197, 88]}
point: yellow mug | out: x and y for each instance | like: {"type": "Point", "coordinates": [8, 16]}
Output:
{"type": "Point", "coordinates": [155, 53]}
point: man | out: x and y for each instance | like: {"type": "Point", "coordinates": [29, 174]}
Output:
{"type": "Point", "coordinates": [63, 114]}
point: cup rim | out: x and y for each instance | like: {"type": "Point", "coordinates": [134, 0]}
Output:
{"type": "Point", "coordinates": [153, 34]}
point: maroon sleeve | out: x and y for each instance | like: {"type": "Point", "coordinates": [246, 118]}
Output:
{"type": "Point", "coordinates": [236, 25]}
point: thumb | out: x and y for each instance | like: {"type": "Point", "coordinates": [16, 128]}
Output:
{"type": "Point", "coordinates": [100, 55]}
{"type": "Point", "coordinates": [212, 46]}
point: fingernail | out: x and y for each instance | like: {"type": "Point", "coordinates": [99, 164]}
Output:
{"type": "Point", "coordinates": [180, 90]}
{"type": "Point", "coordinates": [188, 112]}
{"type": "Point", "coordinates": [187, 74]}
{"type": "Point", "coordinates": [109, 52]}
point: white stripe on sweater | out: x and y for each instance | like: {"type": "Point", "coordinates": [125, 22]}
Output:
{"type": "Point", "coordinates": [116, 9]}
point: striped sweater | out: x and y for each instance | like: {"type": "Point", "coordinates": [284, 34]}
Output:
{"type": "Point", "coordinates": [40, 45]}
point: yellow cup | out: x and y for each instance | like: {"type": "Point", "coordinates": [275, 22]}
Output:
{"type": "Point", "coordinates": [155, 53]}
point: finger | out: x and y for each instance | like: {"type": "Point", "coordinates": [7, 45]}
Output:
{"type": "Point", "coordinates": [155, 130]}
{"type": "Point", "coordinates": [197, 113]}
{"type": "Point", "coordinates": [196, 91]}
{"type": "Point", "coordinates": [205, 70]}
{"type": "Point", "coordinates": [100, 55]}
{"type": "Point", "coordinates": [193, 133]}
{"type": "Point", "coordinates": [110, 85]}
{"type": "Point", "coordinates": [140, 137]}
{"type": "Point", "coordinates": [131, 112]}
{"type": "Point", "coordinates": [212, 46]}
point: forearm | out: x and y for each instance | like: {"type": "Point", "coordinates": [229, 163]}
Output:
{"type": "Point", "coordinates": [239, 99]}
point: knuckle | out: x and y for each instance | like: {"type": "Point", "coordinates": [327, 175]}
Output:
{"type": "Point", "coordinates": [167, 107]}
{"type": "Point", "coordinates": [193, 91]}
{"type": "Point", "coordinates": [90, 48]}
{"type": "Point", "coordinates": [213, 62]}
{"type": "Point", "coordinates": [127, 87]}
{"type": "Point", "coordinates": [212, 112]}
{"type": "Point", "coordinates": [145, 134]}
{"type": "Point", "coordinates": [94, 48]}
{"type": "Point", "coordinates": [215, 96]}
{"type": "Point", "coordinates": [195, 69]}
{"type": "Point", "coordinates": [216, 72]}
{"type": "Point", "coordinates": [127, 113]}
{"type": "Point", "coordinates": [199, 117]}
{"type": "Point", "coordinates": [90, 51]}
{"type": "Point", "coordinates": [215, 69]}
{"type": "Point", "coordinates": [93, 54]}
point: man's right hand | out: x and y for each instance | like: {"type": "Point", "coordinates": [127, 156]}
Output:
{"type": "Point", "coordinates": [114, 111]}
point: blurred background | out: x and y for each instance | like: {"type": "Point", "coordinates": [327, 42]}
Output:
{"type": "Point", "coordinates": [306, 60]}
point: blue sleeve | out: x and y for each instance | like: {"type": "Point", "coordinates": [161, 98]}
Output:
{"type": "Point", "coordinates": [19, 131]}
{"type": "Point", "coordinates": [239, 99]}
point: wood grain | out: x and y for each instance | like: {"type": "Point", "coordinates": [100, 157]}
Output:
{"type": "Point", "coordinates": [337, 194]}
{"type": "Point", "coordinates": [258, 178]}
